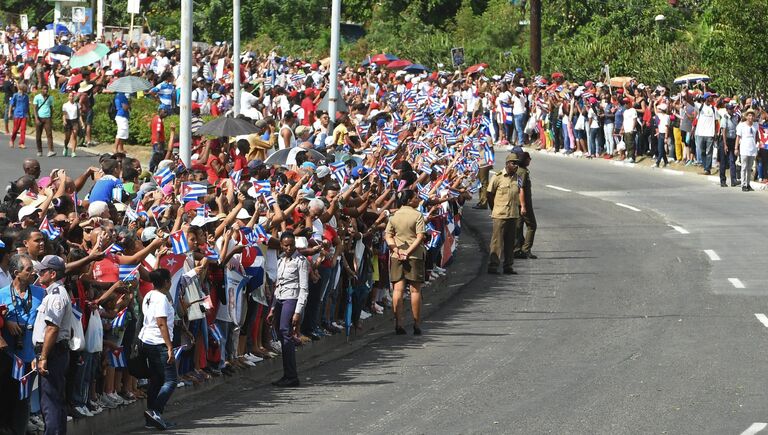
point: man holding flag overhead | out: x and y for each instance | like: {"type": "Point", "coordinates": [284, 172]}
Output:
{"type": "Point", "coordinates": [51, 335]}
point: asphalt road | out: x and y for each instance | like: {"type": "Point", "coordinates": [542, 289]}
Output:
{"type": "Point", "coordinates": [645, 313]}
{"type": "Point", "coordinates": [624, 325]}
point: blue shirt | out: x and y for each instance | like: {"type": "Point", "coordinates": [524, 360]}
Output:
{"type": "Point", "coordinates": [18, 312]}
{"type": "Point", "coordinates": [20, 103]}
{"type": "Point", "coordinates": [164, 93]}
{"type": "Point", "coordinates": [102, 190]}
{"type": "Point", "coordinates": [120, 99]}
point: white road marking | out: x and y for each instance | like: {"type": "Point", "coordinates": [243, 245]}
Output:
{"type": "Point", "coordinates": [762, 318]}
{"type": "Point", "coordinates": [562, 189]}
{"type": "Point", "coordinates": [680, 229]}
{"type": "Point", "coordinates": [755, 428]}
{"type": "Point", "coordinates": [672, 171]}
{"type": "Point", "coordinates": [712, 254]}
{"type": "Point", "coordinates": [736, 282]}
{"type": "Point", "coordinates": [627, 206]}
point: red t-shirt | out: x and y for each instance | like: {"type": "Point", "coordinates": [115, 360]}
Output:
{"type": "Point", "coordinates": [158, 130]}
{"type": "Point", "coordinates": [309, 111]}
{"type": "Point", "coordinates": [214, 176]}
{"type": "Point", "coordinates": [107, 270]}
{"type": "Point", "coordinates": [328, 235]}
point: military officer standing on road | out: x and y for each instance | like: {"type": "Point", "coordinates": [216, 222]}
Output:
{"type": "Point", "coordinates": [51, 336]}
{"type": "Point", "coordinates": [523, 245]}
{"type": "Point", "coordinates": [507, 201]}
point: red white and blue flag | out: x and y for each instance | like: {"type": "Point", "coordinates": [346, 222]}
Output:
{"type": "Point", "coordinates": [119, 321]}
{"type": "Point", "coordinates": [117, 358]}
{"type": "Point", "coordinates": [18, 368]}
{"type": "Point", "coordinates": [179, 243]}
{"type": "Point", "coordinates": [49, 230]}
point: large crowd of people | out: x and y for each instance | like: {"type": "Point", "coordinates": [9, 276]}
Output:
{"type": "Point", "coordinates": [129, 280]}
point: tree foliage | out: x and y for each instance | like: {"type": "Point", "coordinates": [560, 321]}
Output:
{"type": "Point", "coordinates": [719, 37]}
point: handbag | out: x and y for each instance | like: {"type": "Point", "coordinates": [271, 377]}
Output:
{"type": "Point", "coordinates": [77, 338]}
{"type": "Point", "coordinates": [138, 365]}
{"type": "Point", "coordinates": [94, 335]}
{"type": "Point", "coordinates": [621, 146]}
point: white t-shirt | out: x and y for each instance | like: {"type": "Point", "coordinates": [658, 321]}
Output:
{"type": "Point", "coordinates": [630, 120]}
{"type": "Point", "coordinates": [748, 134]}
{"type": "Point", "coordinates": [69, 110]}
{"type": "Point", "coordinates": [663, 122]}
{"type": "Point", "coordinates": [706, 124]}
{"type": "Point", "coordinates": [518, 105]}
{"type": "Point", "coordinates": [155, 305]}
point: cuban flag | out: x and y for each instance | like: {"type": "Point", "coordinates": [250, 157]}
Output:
{"type": "Point", "coordinates": [117, 358]}
{"type": "Point", "coordinates": [117, 193]}
{"type": "Point", "coordinates": [213, 331]}
{"type": "Point", "coordinates": [339, 172]}
{"type": "Point", "coordinates": [506, 114]}
{"type": "Point", "coordinates": [362, 130]}
{"type": "Point", "coordinates": [488, 154]}
{"type": "Point", "coordinates": [211, 253]}
{"type": "Point", "coordinates": [77, 312]}
{"type": "Point", "coordinates": [263, 187]}
{"type": "Point", "coordinates": [49, 230]}
{"type": "Point", "coordinates": [164, 176]}
{"type": "Point", "coordinates": [179, 243]}
{"type": "Point", "coordinates": [129, 272]}
{"type": "Point", "coordinates": [131, 214]}
{"type": "Point", "coordinates": [177, 351]}
{"type": "Point", "coordinates": [141, 211]}
{"type": "Point", "coordinates": [434, 236]}
{"type": "Point", "coordinates": [261, 233]}
{"type": "Point", "coordinates": [119, 321]}
{"type": "Point", "coordinates": [271, 201]}
{"type": "Point", "coordinates": [115, 248]}
{"type": "Point", "coordinates": [236, 176]}
{"type": "Point", "coordinates": [25, 385]}
{"type": "Point", "coordinates": [158, 210]}
{"type": "Point", "coordinates": [18, 368]}
{"type": "Point", "coordinates": [192, 191]}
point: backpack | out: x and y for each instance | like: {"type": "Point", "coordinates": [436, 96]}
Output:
{"type": "Point", "coordinates": [112, 111]}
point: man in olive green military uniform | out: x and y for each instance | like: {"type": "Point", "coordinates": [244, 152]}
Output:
{"type": "Point", "coordinates": [523, 245]}
{"type": "Point", "coordinates": [506, 198]}
{"type": "Point", "coordinates": [483, 175]}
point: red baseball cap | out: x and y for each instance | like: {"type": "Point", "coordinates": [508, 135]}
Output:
{"type": "Point", "coordinates": [192, 205]}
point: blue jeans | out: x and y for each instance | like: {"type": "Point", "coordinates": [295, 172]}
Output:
{"type": "Point", "coordinates": [566, 138]}
{"type": "Point", "coordinates": [727, 160]}
{"type": "Point", "coordinates": [226, 346]}
{"type": "Point", "coordinates": [284, 315]}
{"type": "Point", "coordinates": [594, 141]}
{"type": "Point", "coordinates": [82, 376]}
{"type": "Point", "coordinates": [53, 388]}
{"type": "Point", "coordinates": [704, 151]}
{"type": "Point", "coordinates": [162, 379]}
{"type": "Point", "coordinates": [520, 128]}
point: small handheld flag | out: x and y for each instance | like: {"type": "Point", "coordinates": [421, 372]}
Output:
{"type": "Point", "coordinates": [18, 368]}
{"type": "Point", "coordinates": [179, 242]}
{"type": "Point", "coordinates": [25, 385]}
{"type": "Point", "coordinates": [117, 358]}
{"type": "Point", "coordinates": [177, 351]}
{"type": "Point", "coordinates": [215, 333]}
{"type": "Point", "coordinates": [49, 230]}
{"type": "Point", "coordinates": [128, 272]}
{"type": "Point", "coordinates": [119, 320]}
{"type": "Point", "coordinates": [192, 191]}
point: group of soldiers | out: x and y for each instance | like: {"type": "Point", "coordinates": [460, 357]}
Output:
{"type": "Point", "coordinates": [509, 197]}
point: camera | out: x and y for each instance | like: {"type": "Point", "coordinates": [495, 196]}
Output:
{"type": "Point", "coordinates": [20, 340]}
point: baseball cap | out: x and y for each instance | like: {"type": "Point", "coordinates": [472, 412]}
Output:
{"type": "Point", "coordinates": [322, 171]}
{"type": "Point", "coordinates": [192, 205]}
{"type": "Point", "coordinates": [243, 214]}
{"type": "Point", "coordinates": [97, 208]}
{"type": "Point", "coordinates": [53, 262]}
{"type": "Point", "coordinates": [149, 234]}
{"type": "Point", "coordinates": [359, 171]}
{"type": "Point", "coordinates": [512, 157]}
{"type": "Point", "coordinates": [27, 210]}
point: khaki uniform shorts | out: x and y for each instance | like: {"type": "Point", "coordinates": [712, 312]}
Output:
{"type": "Point", "coordinates": [411, 270]}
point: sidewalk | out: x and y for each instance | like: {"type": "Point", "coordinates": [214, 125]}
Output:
{"type": "Point", "coordinates": [465, 267]}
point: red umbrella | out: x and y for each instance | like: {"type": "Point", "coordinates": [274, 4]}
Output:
{"type": "Point", "coordinates": [399, 64]}
{"type": "Point", "coordinates": [383, 59]}
{"type": "Point", "coordinates": [476, 68]}
{"type": "Point", "coordinates": [74, 80]}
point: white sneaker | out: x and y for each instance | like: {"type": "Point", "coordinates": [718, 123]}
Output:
{"type": "Point", "coordinates": [83, 410]}
{"type": "Point", "coordinates": [253, 358]}
{"type": "Point", "coordinates": [364, 315]}
{"type": "Point", "coordinates": [248, 362]}
{"type": "Point", "coordinates": [117, 399]}
{"type": "Point", "coordinates": [94, 407]}
{"type": "Point", "coordinates": [378, 308]}
{"type": "Point", "coordinates": [106, 402]}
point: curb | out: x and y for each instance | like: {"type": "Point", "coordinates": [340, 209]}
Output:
{"type": "Point", "coordinates": [310, 355]}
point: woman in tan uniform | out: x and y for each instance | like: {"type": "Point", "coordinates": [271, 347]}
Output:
{"type": "Point", "coordinates": [405, 238]}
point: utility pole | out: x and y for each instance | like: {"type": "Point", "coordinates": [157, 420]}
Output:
{"type": "Point", "coordinates": [535, 23]}
{"type": "Point", "coordinates": [333, 88]}
{"type": "Point", "coordinates": [236, 52]}
{"type": "Point", "coordinates": [185, 105]}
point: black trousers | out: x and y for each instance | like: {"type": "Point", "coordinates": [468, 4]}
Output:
{"type": "Point", "coordinates": [53, 389]}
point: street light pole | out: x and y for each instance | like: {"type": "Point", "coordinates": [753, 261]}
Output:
{"type": "Point", "coordinates": [185, 105]}
{"type": "Point", "coordinates": [535, 36]}
{"type": "Point", "coordinates": [333, 88]}
{"type": "Point", "coordinates": [236, 52]}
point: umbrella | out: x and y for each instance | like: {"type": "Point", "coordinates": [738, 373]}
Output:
{"type": "Point", "coordinates": [279, 157]}
{"type": "Point", "coordinates": [129, 85]}
{"type": "Point", "coordinates": [619, 82]}
{"type": "Point", "coordinates": [63, 50]}
{"type": "Point", "coordinates": [87, 55]}
{"type": "Point", "coordinates": [226, 126]}
{"type": "Point", "coordinates": [383, 59]}
{"type": "Point", "coordinates": [74, 80]}
{"type": "Point", "coordinates": [399, 64]}
{"type": "Point", "coordinates": [476, 68]}
{"type": "Point", "coordinates": [692, 78]}
{"type": "Point", "coordinates": [416, 68]}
